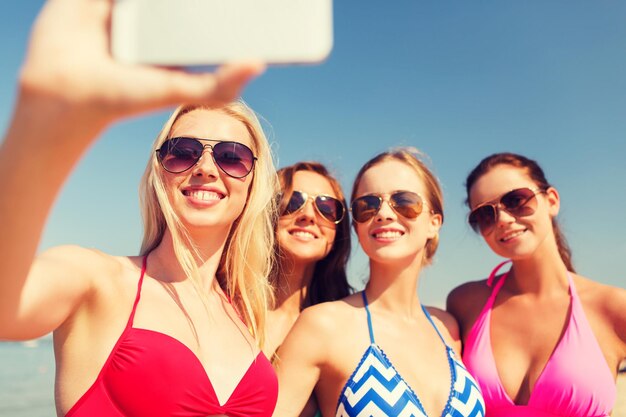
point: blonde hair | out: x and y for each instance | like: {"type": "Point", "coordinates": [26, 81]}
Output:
{"type": "Point", "coordinates": [434, 196]}
{"type": "Point", "coordinates": [247, 257]}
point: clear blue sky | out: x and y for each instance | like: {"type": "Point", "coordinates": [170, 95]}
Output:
{"type": "Point", "coordinates": [457, 79]}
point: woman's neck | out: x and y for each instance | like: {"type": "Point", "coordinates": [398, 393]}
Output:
{"type": "Point", "coordinates": [543, 273]}
{"type": "Point", "coordinates": [166, 267]}
{"type": "Point", "coordinates": [393, 286]}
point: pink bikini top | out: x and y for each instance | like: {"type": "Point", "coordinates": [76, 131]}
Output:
{"type": "Point", "coordinates": [149, 373]}
{"type": "Point", "coordinates": [575, 382]}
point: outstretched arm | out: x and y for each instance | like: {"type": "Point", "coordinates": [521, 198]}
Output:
{"type": "Point", "coordinates": [69, 90]}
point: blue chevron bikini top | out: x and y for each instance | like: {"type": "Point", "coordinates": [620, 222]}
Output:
{"type": "Point", "coordinates": [376, 389]}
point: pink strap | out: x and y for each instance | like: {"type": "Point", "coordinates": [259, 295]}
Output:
{"type": "Point", "coordinates": [492, 276]}
{"type": "Point", "coordinates": [499, 284]}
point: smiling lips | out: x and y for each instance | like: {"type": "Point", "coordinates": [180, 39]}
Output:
{"type": "Point", "coordinates": [387, 235]}
{"type": "Point", "coordinates": [302, 234]}
{"type": "Point", "coordinates": [203, 196]}
{"type": "Point", "coordinates": [512, 235]}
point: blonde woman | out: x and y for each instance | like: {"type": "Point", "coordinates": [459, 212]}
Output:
{"type": "Point", "coordinates": [176, 330]}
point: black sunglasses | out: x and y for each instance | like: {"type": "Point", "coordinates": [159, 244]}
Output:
{"type": "Point", "coordinates": [520, 202]}
{"type": "Point", "coordinates": [330, 208]}
{"type": "Point", "coordinates": [405, 203]}
{"type": "Point", "coordinates": [177, 155]}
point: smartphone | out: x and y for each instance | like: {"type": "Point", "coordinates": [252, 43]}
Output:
{"type": "Point", "coordinates": [211, 32]}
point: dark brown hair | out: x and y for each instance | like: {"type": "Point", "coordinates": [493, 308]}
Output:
{"type": "Point", "coordinates": [534, 171]}
{"type": "Point", "coordinates": [434, 197]}
{"type": "Point", "coordinates": [330, 281]}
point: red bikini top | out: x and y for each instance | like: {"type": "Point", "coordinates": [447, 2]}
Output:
{"type": "Point", "coordinates": [152, 374]}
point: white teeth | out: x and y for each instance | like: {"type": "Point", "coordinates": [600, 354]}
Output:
{"type": "Point", "coordinates": [388, 234]}
{"type": "Point", "coordinates": [203, 195]}
{"type": "Point", "coordinates": [303, 234]}
{"type": "Point", "coordinates": [512, 235]}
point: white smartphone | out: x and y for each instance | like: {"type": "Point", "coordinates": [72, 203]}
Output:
{"type": "Point", "coordinates": [212, 32]}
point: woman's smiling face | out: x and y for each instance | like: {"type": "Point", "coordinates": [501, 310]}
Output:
{"type": "Point", "coordinates": [515, 237]}
{"type": "Point", "coordinates": [305, 235]}
{"type": "Point", "coordinates": [388, 236]}
{"type": "Point", "coordinates": [204, 195]}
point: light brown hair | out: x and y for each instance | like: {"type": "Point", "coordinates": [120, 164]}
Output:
{"type": "Point", "coordinates": [434, 196]}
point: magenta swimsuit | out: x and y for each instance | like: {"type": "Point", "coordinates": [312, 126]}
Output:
{"type": "Point", "coordinates": [575, 382]}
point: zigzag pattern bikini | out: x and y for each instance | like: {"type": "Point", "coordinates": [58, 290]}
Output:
{"type": "Point", "coordinates": [377, 389]}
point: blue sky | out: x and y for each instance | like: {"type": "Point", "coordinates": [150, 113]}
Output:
{"type": "Point", "coordinates": [459, 80]}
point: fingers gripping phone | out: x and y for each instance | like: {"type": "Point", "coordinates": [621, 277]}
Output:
{"type": "Point", "coordinates": [212, 32]}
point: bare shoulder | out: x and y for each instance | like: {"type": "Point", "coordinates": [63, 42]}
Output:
{"type": "Point", "coordinates": [468, 296]}
{"type": "Point", "coordinates": [605, 304]}
{"type": "Point", "coordinates": [61, 281]}
{"type": "Point", "coordinates": [443, 317]}
{"type": "Point", "coordinates": [328, 317]}
{"type": "Point", "coordinates": [446, 323]}
{"type": "Point", "coordinates": [313, 338]}
{"type": "Point", "coordinates": [77, 258]}
{"type": "Point", "coordinates": [326, 323]}
{"type": "Point", "coordinates": [71, 263]}
{"type": "Point", "coordinates": [467, 300]}
{"type": "Point", "coordinates": [605, 299]}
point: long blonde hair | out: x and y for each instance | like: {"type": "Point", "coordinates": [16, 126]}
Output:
{"type": "Point", "coordinates": [247, 257]}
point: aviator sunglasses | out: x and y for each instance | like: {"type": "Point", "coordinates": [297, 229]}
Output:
{"type": "Point", "coordinates": [177, 155]}
{"type": "Point", "coordinates": [520, 202]}
{"type": "Point", "coordinates": [330, 208]}
{"type": "Point", "coordinates": [405, 203]}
